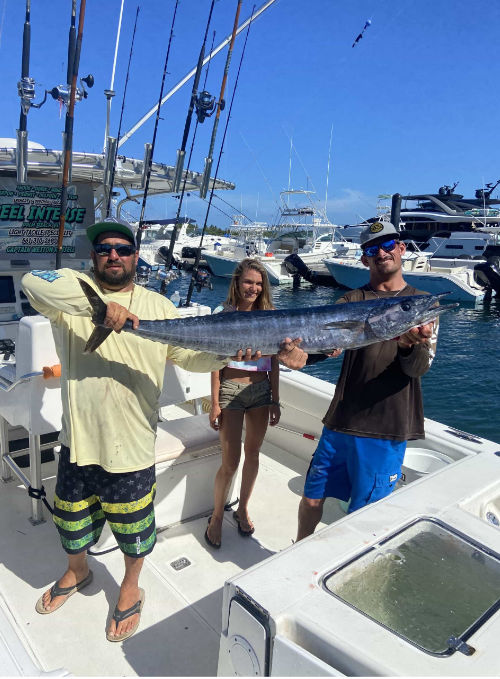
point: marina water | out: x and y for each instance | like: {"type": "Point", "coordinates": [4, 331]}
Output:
{"type": "Point", "coordinates": [462, 387]}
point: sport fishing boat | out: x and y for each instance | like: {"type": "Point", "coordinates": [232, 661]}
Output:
{"type": "Point", "coordinates": [156, 240]}
{"type": "Point", "coordinates": [260, 606]}
{"type": "Point", "coordinates": [302, 229]}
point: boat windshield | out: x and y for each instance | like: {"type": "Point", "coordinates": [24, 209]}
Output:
{"type": "Point", "coordinates": [427, 584]}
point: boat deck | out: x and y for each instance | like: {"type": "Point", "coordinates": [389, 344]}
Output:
{"type": "Point", "coordinates": [181, 620]}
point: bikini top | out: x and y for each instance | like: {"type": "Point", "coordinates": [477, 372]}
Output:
{"type": "Point", "coordinates": [262, 364]}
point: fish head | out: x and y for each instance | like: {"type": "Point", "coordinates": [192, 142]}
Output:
{"type": "Point", "coordinates": [394, 316]}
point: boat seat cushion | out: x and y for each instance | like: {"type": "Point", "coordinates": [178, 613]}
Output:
{"type": "Point", "coordinates": [183, 438]}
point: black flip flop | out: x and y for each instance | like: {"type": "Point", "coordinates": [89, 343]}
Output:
{"type": "Point", "coordinates": [209, 542]}
{"type": "Point", "coordinates": [243, 533]}
{"type": "Point", "coordinates": [118, 616]}
{"type": "Point", "coordinates": [56, 591]}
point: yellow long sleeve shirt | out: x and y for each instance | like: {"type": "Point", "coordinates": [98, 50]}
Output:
{"type": "Point", "coordinates": [109, 397]}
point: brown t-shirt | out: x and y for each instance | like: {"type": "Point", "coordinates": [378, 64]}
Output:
{"type": "Point", "coordinates": [378, 393]}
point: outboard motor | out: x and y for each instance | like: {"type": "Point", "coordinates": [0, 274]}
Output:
{"type": "Point", "coordinates": [296, 267]}
{"type": "Point", "coordinates": [188, 252]}
{"type": "Point", "coordinates": [487, 273]}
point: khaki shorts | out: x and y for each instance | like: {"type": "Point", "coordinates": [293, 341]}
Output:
{"type": "Point", "coordinates": [240, 396]}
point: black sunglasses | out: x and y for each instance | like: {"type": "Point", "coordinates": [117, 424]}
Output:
{"type": "Point", "coordinates": [386, 246]}
{"type": "Point", "coordinates": [121, 249]}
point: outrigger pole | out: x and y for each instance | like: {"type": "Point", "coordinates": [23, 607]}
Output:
{"type": "Point", "coordinates": [220, 106]}
{"type": "Point", "coordinates": [149, 160]}
{"type": "Point", "coordinates": [111, 144]}
{"type": "Point", "coordinates": [191, 73]}
{"type": "Point", "coordinates": [194, 274]}
{"type": "Point", "coordinates": [73, 54]}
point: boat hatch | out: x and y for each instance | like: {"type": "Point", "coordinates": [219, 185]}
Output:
{"type": "Point", "coordinates": [427, 583]}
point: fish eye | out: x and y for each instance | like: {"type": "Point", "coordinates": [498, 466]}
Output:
{"type": "Point", "coordinates": [406, 306]}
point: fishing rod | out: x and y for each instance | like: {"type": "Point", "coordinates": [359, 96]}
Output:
{"type": "Point", "coordinates": [68, 127]}
{"type": "Point", "coordinates": [26, 91]}
{"type": "Point", "coordinates": [112, 149]}
{"type": "Point", "coordinates": [149, 160]}
{"type": "Point", "coordinates": [189, 75]}
{"type": "Point", "coordinates": [193, 103]}
{"type": "Point", "coordinates": [194, 274]}
{"type": "Point", "coordinates": [220, 106]}
{"type": "Point", "coordinates": [182, 151]}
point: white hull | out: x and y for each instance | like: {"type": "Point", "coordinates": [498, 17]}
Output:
{"type": "Point", "coordinates": [181, 631]}
{"type": "Point", "coordinates": [458, 281]}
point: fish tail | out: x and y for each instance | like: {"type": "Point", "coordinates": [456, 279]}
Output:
{"type": "Point", "coordinates": [99, 333]}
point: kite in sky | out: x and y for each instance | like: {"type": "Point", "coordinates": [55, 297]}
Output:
{"type": "Point", "coordinates": [367, 24]}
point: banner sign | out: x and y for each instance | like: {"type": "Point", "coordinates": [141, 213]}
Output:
{"type": "Point", "coordinates": [29, 220]}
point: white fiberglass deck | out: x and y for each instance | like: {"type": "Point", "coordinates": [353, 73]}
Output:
{"type": "Point", "coordinates": [181, 620]}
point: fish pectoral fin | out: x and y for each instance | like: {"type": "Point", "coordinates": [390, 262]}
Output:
{"type": "Point", "coordinates": [344, 325]}
{"type": "Point", "coordinates": [99, 334]}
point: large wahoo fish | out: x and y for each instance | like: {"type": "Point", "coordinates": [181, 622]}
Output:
{"type": "Point", "coordinates": [324, 328]}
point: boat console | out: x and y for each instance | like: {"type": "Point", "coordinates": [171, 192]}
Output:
{"type": "Point", "coordinates": [408, 584]}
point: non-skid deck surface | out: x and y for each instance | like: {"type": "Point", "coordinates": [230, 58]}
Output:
{"type": "Point", "coordinates": [181, 619]}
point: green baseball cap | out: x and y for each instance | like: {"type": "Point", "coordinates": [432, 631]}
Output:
{"type": "Point", "coordinates": [111, 224]}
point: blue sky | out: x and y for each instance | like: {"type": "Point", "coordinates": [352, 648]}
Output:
{"type": "Point", "coordinates": [413, 106]}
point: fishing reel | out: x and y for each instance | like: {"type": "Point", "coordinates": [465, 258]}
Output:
{"type": "Point", "coordinates": [63, 92]}
{"type": "Point", "coordinates": [203, 280]}
{"type": "Point", "coordinates": [205, 105]}
{"type": "Point", "coordinates": [26, 90]}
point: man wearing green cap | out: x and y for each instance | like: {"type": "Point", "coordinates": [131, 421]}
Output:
{"type": "Point", "coordinates": [110, 411]}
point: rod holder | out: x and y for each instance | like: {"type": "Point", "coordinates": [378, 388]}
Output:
{"type": "Point", "coordinates": [70, 150]}
{"type": "Point", "coordinates": [206, 177]}
{"type": "Point", "coordinates": [111, 147]}
{"type": "Point", "coordinates": [22, 156]}
{"type": "Point", "coordinates": [178, 170]}
{"type": "Point", "coordinates": [148, 150]}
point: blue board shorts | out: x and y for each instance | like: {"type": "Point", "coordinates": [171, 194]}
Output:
{"type": "Point", "coordinates": [358, 468]}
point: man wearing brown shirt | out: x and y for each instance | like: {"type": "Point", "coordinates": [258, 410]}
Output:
{"type": "Point", "coordinates": [377, 406]}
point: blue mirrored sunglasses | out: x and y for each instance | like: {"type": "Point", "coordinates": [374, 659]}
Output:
{"type": "Point", "coordinates": [121, 249]}
{"type": "Point", "coordinates": [386, 246]}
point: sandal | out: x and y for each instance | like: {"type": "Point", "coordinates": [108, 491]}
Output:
{"type": "Point", "coordinates": [56, 591]}
{"type": "Point", "coordinates": [119, 616]}
{"type": "Point", "coordinates": [243, 533]}
{"type": "Point", "coordinates": [214, 545]}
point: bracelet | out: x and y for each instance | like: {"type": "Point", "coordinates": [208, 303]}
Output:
{"type": "Point", "coordinates": [275, 403]}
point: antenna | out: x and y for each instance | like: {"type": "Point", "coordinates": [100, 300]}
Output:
{"type": "Point", "coordinates": [328, 166]}
{"type": "Point", "coordinates": [109, 94]}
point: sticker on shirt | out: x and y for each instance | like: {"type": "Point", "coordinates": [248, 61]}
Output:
{"type": "Point", "coordinates": [49, 276]}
